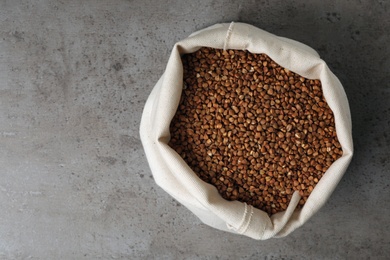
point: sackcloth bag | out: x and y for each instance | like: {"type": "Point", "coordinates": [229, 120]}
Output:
{"type": "Point", "coordinates": [172, 173]}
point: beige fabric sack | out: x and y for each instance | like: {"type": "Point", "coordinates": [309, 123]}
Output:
{"type": "Point", "coordinates": [173, 175]}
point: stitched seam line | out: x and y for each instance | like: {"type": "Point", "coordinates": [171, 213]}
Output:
{"type": "Point", "coordinates": [228, 34]}
{"type": "Point", "coordinates": [247, 222]}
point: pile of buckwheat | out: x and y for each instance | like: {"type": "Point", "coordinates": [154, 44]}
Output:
{"type": "Point", "coordinates": [253, 129]}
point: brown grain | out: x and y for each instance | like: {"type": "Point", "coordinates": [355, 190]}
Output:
{"type": "Point", "coordinates": [256, 131]}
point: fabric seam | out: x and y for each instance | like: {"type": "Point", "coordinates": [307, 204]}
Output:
{"type": "Point", "coordinates": [228, 34]}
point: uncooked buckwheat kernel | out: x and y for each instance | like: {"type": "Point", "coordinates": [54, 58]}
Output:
{"type": "Point", "coordinates": [256, 131]}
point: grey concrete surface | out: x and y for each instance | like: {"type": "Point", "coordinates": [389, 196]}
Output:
{"type": "Point", "coordinates": [74, 181]}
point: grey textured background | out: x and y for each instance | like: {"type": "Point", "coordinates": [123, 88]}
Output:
{"type": "Point", "coordinates": [74, 181]}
